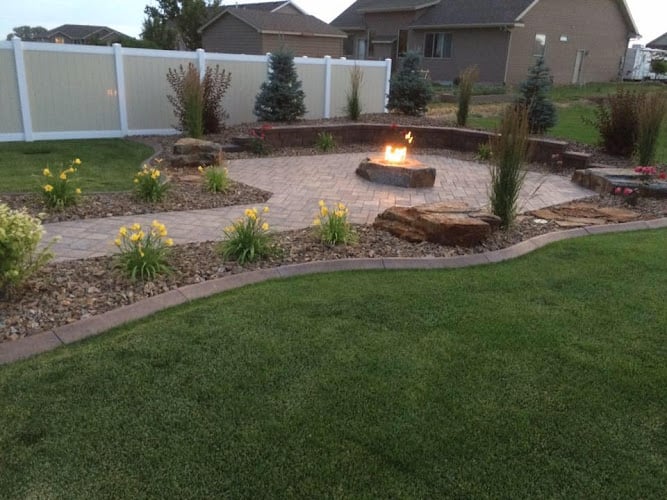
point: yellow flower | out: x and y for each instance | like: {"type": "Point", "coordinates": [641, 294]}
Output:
{"type": "Point", "coordinates": [169, 242]}
{"type": "Point", "coordinates": [155, 174]}
{"type": "Point", "coordinates": [46, 172]}
{"type": "Point", "coordinates": [265, 226]}
{"type": "Point", "coordinates": [341, 206]}
{"type": "Point", "coordinates": [141, 235]}
{"type": "Point", "coordinates": [48, 188]}
{"type": "Point", "coordinates": [63, 176]}
{"type": "Point", "coordinates": [321, 203]}
{"type": "Point", "coordinates": [123, 231]}
{"type": "Point", "coordinates": [317, 221]}
{"type": "Point", "coordinates": [136, 180]}
{"type": "Point", "coordinates": [324, 211]}
{"type": "Point", "coordinates": [229, 229]}
{"type": "Point", "coordinates": [77, 190]}
{"type": "Point", "coordinates": [117, 242]}
{"type": "Point", "coordinates": [135, 237]}
{"type": "Point", "coordinates": [251, 213]}
{"type": "Point", "coordinates": [77, 161]}
{"type": "Point", "coordinates": [141, 252]}
{"type": "Point", "coordinates": [266, 210]}
{"type": "Point", "coordinates": [70, 170]}
{"type": "Point", "coordinates": [135, 227]}
{"type": "Point", "coordinates": [339, 213]}
{"type": "Point", "coordinates": [201, 169]}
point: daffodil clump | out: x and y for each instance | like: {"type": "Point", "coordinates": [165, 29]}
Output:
{"type": "Point", "coordinates": [60, 189]}
{"type": "Point", "coordinates": [20, 234]}
{"type": "Point", "coordinates": [332, 226]}
{"type": "Point", "coordinates": [143, 254]}
{"type": "Point", "coordinates": [247, 239]}
{"type": "Point", "coordinates": [150, 185]}
{"type": "Point", "coordinates": [216, 179]}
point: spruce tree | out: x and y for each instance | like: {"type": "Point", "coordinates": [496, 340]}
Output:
{"type": "Point", "coordinates": [534, 95]}
{"type": "Point", "coordinates": [280, 98]}
{"type": "Point", "coordinates": [410, 92]}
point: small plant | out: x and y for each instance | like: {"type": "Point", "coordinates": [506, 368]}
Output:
{"type": "Point", "coordinates": [648, 174]}
{"type": "Point", "coordinates": [332, 226]}
{"type": "Point", "coordinates": [325, 141]}
{"type": "Point", "coordinates": [467, 79]}
{"type": "Point", "coordinates": [535, 96]}
{"type": "Point", "coordinates": [61, 190]}
{"type": "Point", "coordinates": [509, 146]}
{"type": "Point", "coordinates": [216, 178]}
{"type": "Point", "coordinates": [20, 235]}
{"type": "Point", "coordinates": [353, 107]}
{"type": "Point", "coordinates": [150, 185]}
{"type": "Point", "coordinates": [144, 255]}
{"type": "Point", "coordinates": [257, 143]}
{"type": "Point", "coordinates": [410, 91]}
{"type": "Point", "coordinates": [248, 239]}
{"type": "Point", "coordinates": [484, 151]}
{"type": "Point", "coordinates": [651, 116]}
{"type": "Point", "coordinates": [617, 121]}
{"type": "Point", "coordinates": [659, 65]}
{"type": "Point", "coordinates": [197, 102]}
{"type": "Point", "coordinates": [281, 98]}
{"type": "Point", "coordinates": [630, 195]}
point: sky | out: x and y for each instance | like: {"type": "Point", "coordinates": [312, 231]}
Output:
{"type": "Point", "coordinates": [126, 16]}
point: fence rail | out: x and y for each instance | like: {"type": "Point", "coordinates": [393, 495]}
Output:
{"type": "Point", "coordinates": [55, 91]}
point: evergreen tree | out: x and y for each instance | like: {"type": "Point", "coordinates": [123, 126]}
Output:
{"type": "Point", "coordinates": [410, 92]}
{"type": "Point", "coordinates": [280, 98]}
{"type": "Point", "coordinates": [534, 95]}
{"type": "Point", "coordinates": [171, 19]}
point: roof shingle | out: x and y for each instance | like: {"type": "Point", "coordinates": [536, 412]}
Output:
{"type": "Point", "coordinates": [270, 21]}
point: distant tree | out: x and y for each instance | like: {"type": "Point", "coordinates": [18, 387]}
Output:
{"type": "Point", "coordinates": [534, 94]}
{"type": "Point", "coordinates": [280, 98]}
{"type": "Point", "coordinates": [173, 19]}
{"type": "Point", "coordinates": [410, 91]}
{"type": "Point", "coordinates": [27, 33]}
{"type": "Point", "coordinates": [659, 65]}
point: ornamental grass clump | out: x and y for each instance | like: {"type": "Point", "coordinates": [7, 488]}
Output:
{"type": "Point", "coordinates": [467, 79]}
{"type": "Point", "coordinates": [61, 190]}
{"type": "Point", "coordinates": [150, 185]}
{"type": "Point", "coordinates": [248, 239]}
{"type": "Point", "coordinates": [353, 107]}
{"type": "Point", "coordinates": [216, 178]}
{"type": "Point", "coordinates": [332, 226]}
{"type": "Point", "coordinates": [20, 235]}
{"type": "Point", "coordinates": [143, 255]}
{"type": "Point", "coordinates": [650, 119]}
{"type": "Point", "coordinates": [509, 148]}
{"type": "Point", "coordinates": [325, 142]}
{"type": "Point", "coordinates": [617, 121]}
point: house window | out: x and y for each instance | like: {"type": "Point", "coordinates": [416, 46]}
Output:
{"type": "Point", "coordinates": [438, 45]}
{"type": "Point", "coordinates": [540, 45]}
{"type": "Point", "coordinates": [402, 42]}
{"type": "Point", "coordinates": [59, 39]}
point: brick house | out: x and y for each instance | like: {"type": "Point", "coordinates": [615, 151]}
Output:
{"type": "Point", "coordinates": [581, 41]}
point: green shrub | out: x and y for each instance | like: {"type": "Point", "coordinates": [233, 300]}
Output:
{"type": "Point", "coordinates": [651, 116]}
{"type": "Point", "coordinates": [257, 143]}
{"type": "Point", "coordinates": [20, 235]}
{"type": "Point", "coordinates": [509, 148]}
{"type": "Point", "coordinates": [467, 79]}
{"type": "Point", "coordinates": [333, 227]}
{"type": "Point", "coordinates": [534, 94]}
{"type": "Point", "coordinates": [144, 255]}
{"type": "Point", "coordinates": [617, 121]}
{"type": "Point", "coordinates": [353, 107]}
{"type": "Point", "coordinates": [410, 92]}
{"type": "Point", "coordinates": [150, 185]}
{"type": "Point", "coordinates": [659, 65]}
{"type": "Point", "coordinates": [248, 239]}
{"type": "Point", "coordinates": [484, 152]}
{"type": "Point", "coordinates": [325, 141]}
{"type": "Point", "coordinates": [197, 102]}
{"type": "Point", "coordinates": [280, 98]}
{"type": "Point", "coordinates": [61, 190]}
{"type": "Point", "coordinates": [216, 178]}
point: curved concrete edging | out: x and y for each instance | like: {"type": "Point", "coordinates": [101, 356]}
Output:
{"type": "Point", "coordinates": [88, 327]}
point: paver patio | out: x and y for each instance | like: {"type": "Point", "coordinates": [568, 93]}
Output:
{"type": "Point", "coordinates": [297, 184]}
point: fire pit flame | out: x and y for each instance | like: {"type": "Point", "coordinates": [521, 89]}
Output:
{"type": "Point", "coordinates": [395, 155]}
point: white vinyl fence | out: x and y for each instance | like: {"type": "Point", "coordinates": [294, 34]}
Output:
{"type": "Point", "coordinates": [56, 91]}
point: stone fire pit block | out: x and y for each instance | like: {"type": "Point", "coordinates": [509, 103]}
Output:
{"type": "Point", "coordinates": [411, 175]}
{"type": "Point", "coordinates": [188, 152]}
{"type": "Point", "coordinates": [455, 224]}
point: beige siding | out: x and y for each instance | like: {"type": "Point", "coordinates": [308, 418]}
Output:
{"type": "Point", "coordinates": [10, 109]}
{"type": "Point", "coordinates": [595, 26]}
{"type": "Point", "coordinates": [147, 89]}
{"type": "Point", "coordinates": [64, 87]}
{"type": "Point", "coordinates": [486, 48]}
{"type": "Point", "coordinates": [232, 36]}
{"type": "Point", "coordinates": [247, 76]}
{"type": "Point", "coordinates": [311, 46]}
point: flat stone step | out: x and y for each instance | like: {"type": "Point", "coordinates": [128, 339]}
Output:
{"type": "Point", "coordinates": [232, 148]}
{"type": "Point", "coordinates": [605, 179]}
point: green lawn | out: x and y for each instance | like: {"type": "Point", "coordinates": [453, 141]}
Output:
{"type": "Point", "coordinates": [108, 164]}
{"type": "Point", "coordinates": [542, 377]}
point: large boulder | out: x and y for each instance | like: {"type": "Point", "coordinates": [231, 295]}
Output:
{"type": "Point", "coordinates": [188, 152]}
{"type": "Point", "coordinates": [455, 224]}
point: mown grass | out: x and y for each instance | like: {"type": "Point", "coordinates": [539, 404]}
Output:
{"type": "Point", "coordinates": [543, 377]}
{"type": "Point", "coordinates": [108, 164]}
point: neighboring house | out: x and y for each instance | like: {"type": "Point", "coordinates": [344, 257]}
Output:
{"type": "Point", "coordinates": [581, 41]}
{"type": "Point", "coordinates": [83, 34]}
{"type": "Point", "coordinates": [659, 43]}
{"type": "Point", "coordinates": [267, 27]}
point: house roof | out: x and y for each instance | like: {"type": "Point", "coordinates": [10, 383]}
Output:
{"type": "Point", "coordinates": [272, 22]}
{"type": "Point", "coordinates": [353, 16]}
{"type": "Point", "coordinates": [266, 6]}
{"type": "Point", "coordinates": [81, 31]}
{"type": "Point", "coordinates": [658, 43]}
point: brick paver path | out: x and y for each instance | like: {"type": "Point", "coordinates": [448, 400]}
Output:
{"type": "Point", "coordinates": [297, 184]}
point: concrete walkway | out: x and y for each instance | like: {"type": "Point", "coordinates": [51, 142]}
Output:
{"type": "Point", "coordinates": [297, 184]}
